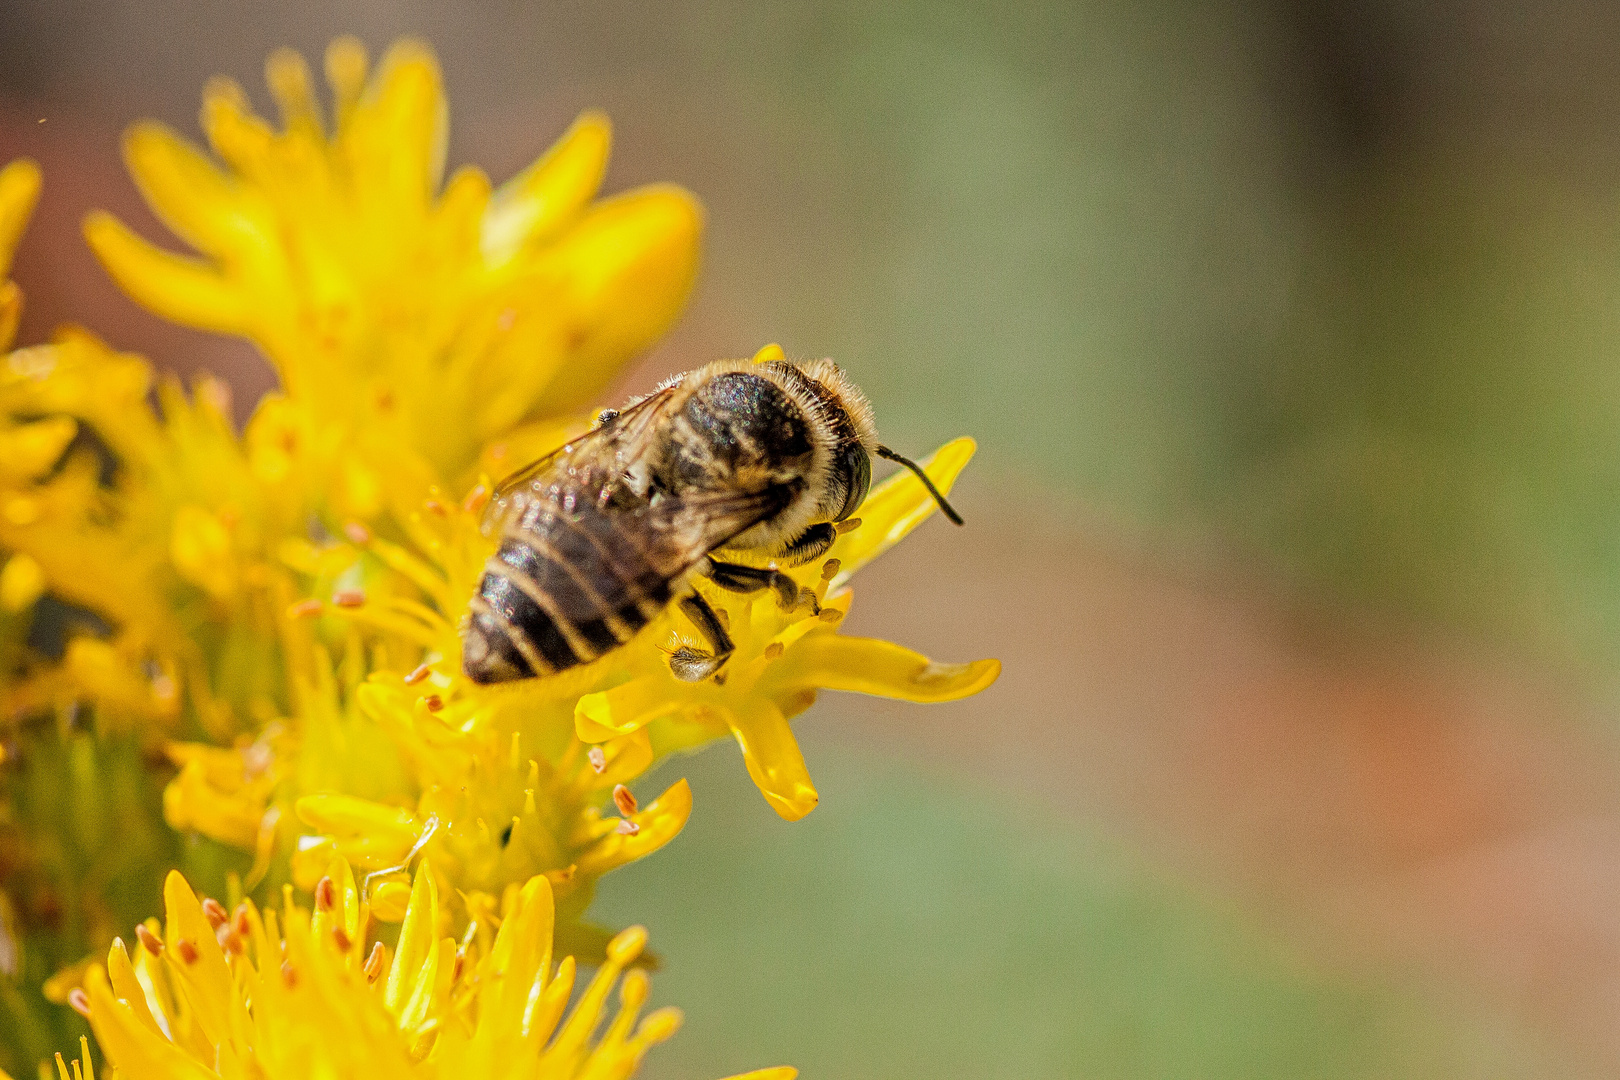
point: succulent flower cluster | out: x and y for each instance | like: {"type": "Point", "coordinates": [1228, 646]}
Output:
{"type": "Point", "coordinates": [230, 661]}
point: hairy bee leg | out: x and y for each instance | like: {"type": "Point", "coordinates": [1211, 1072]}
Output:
{"type": "Point", "coordinates": [694, 665]}
{"type": "Point", "coordinates": [811, 544]}
{"type": "Point", "coordinates": [749, 579]}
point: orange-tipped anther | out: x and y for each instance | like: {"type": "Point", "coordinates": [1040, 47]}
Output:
{"type": "Point", "coordinates": [151, 941]}
{"type": "Point", "coordinates": [349, 598]}
{"type": "Point", "coordinates": [187, 950]}
{"type": "Point", "coordinates": [626, 827]}
{"type": "Point", "coordinates": [80, 1001]}
{"type": "Point", "coordinates": [325, 894]}
{"type": "Point", "coordinates": [341, 939]}
{"type": "Point", "coordinates": [597, 758]}
{"type": "Point", "coordinates": [433, 702]}
{"type": "Point", "coordinates": [288, 976]}
{"type": "Point", "coordinates": [229, 940]}
{"type": "Point", "coordinates": [305, 608]}
{"type": "Point", "coordinates": [419, 673]}
{"type": "Point", "coordinates": [357, 533]}
{"type": "Point", "coordinates": [475, 500]}
{"type": "Point", "coordinates": [215, 912]}
{"type": "Point", "coordinates": [374, 963]}
{"type": "Point", "coordinates": [624, 800]}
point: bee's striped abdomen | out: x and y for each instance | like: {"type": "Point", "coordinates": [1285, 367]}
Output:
{"type": "Point", "coordinates": [562, 589]}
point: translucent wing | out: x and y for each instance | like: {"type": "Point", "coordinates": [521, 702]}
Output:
{"type": "Point", "coordinates": [600, 456]}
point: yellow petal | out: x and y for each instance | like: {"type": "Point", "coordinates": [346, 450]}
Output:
{"type": "Point", "coordinates": [772, 755]}
{"type": "Point", "coordinates": [134, 1048]}
{"type": "Point", "coordinates": [625, 270]}
{"type": "Point", "coordinates": [608, 714]}
{"type": "Point", "coordinates": [373, 835]}
{"type": "Point", "coordinates": [19, 190]}
{"type": "Point", "coordinates": [539, 201]}
{"type": "Point", "coordinates": [881, 668]}
{"type": "Point", "coordinates": [195, 960]}
{"type": "Point", "coordinates": [897, 506]}
{"type": "Point", "coordinates": [21, 583]}
{"type": "Point", "coordinates": [187, 191]}
{"type": "Point", "coordinates": [185, 290]}
{"type": "Point", "coordinates": [418, 946]}
{"type": "Point", "coordinates": [660, 822]}
{"type": "Point", "coordinates": [126, 985]}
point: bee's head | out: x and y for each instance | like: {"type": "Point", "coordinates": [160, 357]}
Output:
{"type": "Point", "coordinates": [846, 434]}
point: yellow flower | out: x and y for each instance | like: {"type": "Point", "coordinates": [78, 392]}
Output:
{"type": "Point", "coordinates": [427, 321]}
{"type": "Point", "coordinates": [228, 994]}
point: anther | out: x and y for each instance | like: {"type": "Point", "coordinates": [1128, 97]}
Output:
{"type": "Point", "coordinates": [305, 608]}
{"type": "Point", "coordinates": [288, 976]}
{"type": "Point", "coordinates": [80, 1001]}
{"type": "Point", "coordinates": [830, 615]}
{"type": "Point", "coordinates": [847, 525]}
{"type": "Point", "coordinates": [475, 500]}
{"type": "Point", "coordinates": [341, 939]}
{"type": "Point", "coordinates": [229, 940]}
{"type": "Point", "coordinates": [416, 676]}
{"type": "Point", "coordinates": [152, 943]}
{"type": "Point", "coordinates": [626, 827]}
{"type": "Point", "coordinates": [374, 963]}
{"type": "Point", "coordinates": [215, 912]}
{"type": "Point", "coordinates": [624, 800]}
{"type": "Point", "coordinates": [239, 920]}
{"type": "Point", "coordinates": [347, 598]}
{"type": "Point", "coordinates": [774, 649]}
{"type": "Point", "coordinates": [433, 702]}
{"type": "Point", "coordinates": [325, 894]}
{"type": "Point", "coordinates": [829, 569]}
{"type": "Point", "coordinates": [461, 962]}
{"type": "Point", "coordinates": [187, 950]}
{"type": "Point", "coordinates": [436, 507]}
{"type": "Point", "coordinates": [357, 532]}
{"type": "Point", "coordinates": [597, 758]}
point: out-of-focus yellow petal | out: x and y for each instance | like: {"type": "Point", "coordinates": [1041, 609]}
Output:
{"type": "Point", "coordinates": [22, 581]}
{"type": "Point", "coordinates": [532, 206]}
{"type": "Point", "coordinates": [20, 182]}
{"type": "Point", "coordinates": [626, 269]}
{"type": "Point", "coordinates": [195, 959]}
{"type": "Point", "coordinates": [881, 668]}
{"type": "Point", "coordinates": [897, 506]}
{"type": "Point", "coordinates": [30, 448]}
{"type": "Point", "coordinates": [184, 290]}
{"type": "Point", "coordinates": [370, 835]}
{"type": "Point", "coordinates": [773, 758]}
{"type": "Point", "coordinates": [188, 193]}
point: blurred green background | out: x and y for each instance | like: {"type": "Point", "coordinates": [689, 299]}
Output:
{"type": "Point", "coordinates": [1288, 331]}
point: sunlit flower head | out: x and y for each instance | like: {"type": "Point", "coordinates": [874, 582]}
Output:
{"type": "Point", "coordinates": [425, 318]}
{"type": "Point", "coordinates": [304, 992]}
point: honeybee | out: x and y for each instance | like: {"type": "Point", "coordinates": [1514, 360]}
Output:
{"type": "Point", "coordinates": [733, 463]}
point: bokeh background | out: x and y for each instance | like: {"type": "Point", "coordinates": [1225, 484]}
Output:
{"type": "Point", "coordinates": [1290, 332]}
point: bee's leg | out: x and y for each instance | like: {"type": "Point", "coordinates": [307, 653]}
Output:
{"type": "Point", "coordinates": [748, 579]}
{"type": "Point", "coordinates": [695, 665]}
{"type": "Point", "coordinates": [811, 544]}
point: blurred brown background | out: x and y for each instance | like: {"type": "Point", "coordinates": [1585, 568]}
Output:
{"type": "Point", "coordinates": [1289, 333]}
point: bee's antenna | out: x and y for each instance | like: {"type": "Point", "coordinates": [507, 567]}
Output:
{"type": "Point", "coordinates": [950, 511]}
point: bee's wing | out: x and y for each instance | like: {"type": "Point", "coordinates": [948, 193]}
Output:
{"type": "Point", "coordinates": [613, 447]}
{"type": "Point", "coordinates": [680, 532]}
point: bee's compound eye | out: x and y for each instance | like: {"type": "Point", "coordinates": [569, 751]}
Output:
{"type": "Point", "coordinates": [854, 468]}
